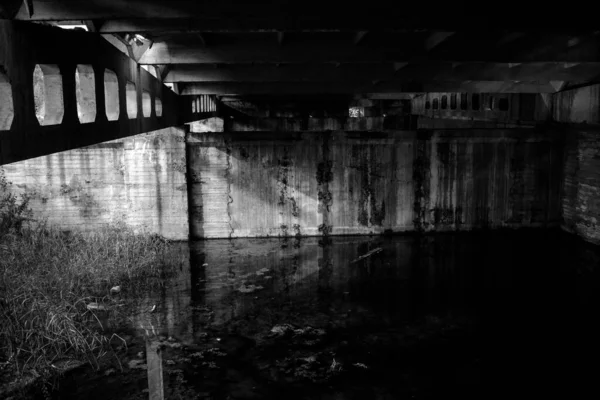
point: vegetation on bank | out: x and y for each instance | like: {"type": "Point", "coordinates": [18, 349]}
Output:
{"type": "Point", "coordinates": [52, 284]}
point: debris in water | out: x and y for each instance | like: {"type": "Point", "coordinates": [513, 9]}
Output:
{"type": "Point", "coordinates": [262, 271]}
{"type": "Point", "coordinates": [368, 254]}
{"type": "Point", "coordinates": [360, 365]}
{"type": "Point", "coordinates": [335, 366]}
{"type": "Point", "coordinates": [280, 330]}
{"type": "Point", "coordinates": [67, 364]}
{"type": "Point", "coordinates": [137, 364]}
{"type": "Point", "coordinates": [245, 288]}
{"type": "Point", "coordinates": [96, 306]}
{"type": "Point", "coordinates": [284, 329]}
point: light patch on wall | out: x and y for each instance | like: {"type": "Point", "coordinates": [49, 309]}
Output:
{"type": "Point", "coordinates": [73, 26]}
{"type": "Point", "coordinates": [158, 107]}
{"type": "Point", "coordinates": [48, 94]}
{"type": "Point", "coordinates": [356, 112]}
{"type": "Point", "coordinates": [146, 104]}
{"type": "Point", "coordinates": [111, 95]}
{"type": "Point", "coordinates": [131, 99]}
{"type": "Point", "coordinates": [150, 70]}
{"type": "Point", "coordinates": [170, 85]}
{"type": "Point", "coordinates": [85, 89]}
{"type": "Point", "coordinates": [7, 111]}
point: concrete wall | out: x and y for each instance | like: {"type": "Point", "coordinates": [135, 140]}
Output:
{"type": "Point", "coordinates": [309, 183]}
{"type": "Point", "coordinates": [581, 105]}
{"type": "Point", "coordinates": [139, 181]}
{"type": "Point", "coordinates": [581, 194]}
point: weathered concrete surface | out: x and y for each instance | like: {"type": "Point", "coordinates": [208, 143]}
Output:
{"type": "Point", "coordinates": [488, 179]}
{"type": "Point", "coordinates": [356, 182]}
{"type": "Point", "coordinates": [139, 181]}
{"type": "Point", "coordinates": [581, 193]}
{"type": "Point", "coordinates": [521, 108]}
{"type": "Point", "coordinates": [581, 105]}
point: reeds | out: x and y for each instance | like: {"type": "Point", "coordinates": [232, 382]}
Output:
{"type": "Point", "coordinates": [48, 277]}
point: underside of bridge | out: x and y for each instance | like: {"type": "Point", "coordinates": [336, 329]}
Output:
{"type": "Point", "coordinates": [406, 193]}
{"type": "Point", "coordinates": [238, 119]}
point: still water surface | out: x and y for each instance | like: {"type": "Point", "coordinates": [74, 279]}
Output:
{"type": "Point", "coordinates": [480, 315]}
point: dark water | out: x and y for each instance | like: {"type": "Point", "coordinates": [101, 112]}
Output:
{"type": "Point", "coordinates": [483, 315]}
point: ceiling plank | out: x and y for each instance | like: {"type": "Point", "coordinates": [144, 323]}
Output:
{"type": "Point", "coordinates": [335, 50]}
{"type": "Point", "coordinates": [437, 38]}
{"type": "Point", "coordinates": [223, 25]}
{"type": "Point", "coordinates": [296, 88]}
{"type": "Point", "coordinates": [308, 14]}
{"type": "Point", "coordinates": [542, 72]}
{"type": "Point", "coordinates": [28, 5]}
{"type": "Point", "coordinates": [274, 73]}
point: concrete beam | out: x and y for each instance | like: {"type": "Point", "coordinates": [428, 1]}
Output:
{"type": "Point", "coordinates": [320, 49]}
{"type": "Point", "coordinates": [309, 14]}
{"type": "Point", "coordinates": [281, 88]}
{"type": "Point", "coordinates": [542, 72]}
{"type": "Point", "coordinates": [25, 48]}
{"type": "Point", "coordinates": [272, 73]}
{"type": "Point", "coordinates": [164, 25]}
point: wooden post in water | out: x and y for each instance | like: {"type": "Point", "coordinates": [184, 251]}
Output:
{"type": "Point", "coordinates": [155, 370]}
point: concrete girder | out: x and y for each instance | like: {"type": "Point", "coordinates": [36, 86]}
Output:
{"type": "Point", "coordinates": [23, 46]}
{"type": "Point", "coordinates": [415, 47]}
{"type": "Point", "coordinates": [280, 88]}
{"type": "Point", "coordinates": [541, 72]}
{"type": "Point", "coordinates": [307, 14]}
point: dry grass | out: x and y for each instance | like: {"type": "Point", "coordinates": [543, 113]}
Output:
{"type": "Point", "coordinates": [47, 279]}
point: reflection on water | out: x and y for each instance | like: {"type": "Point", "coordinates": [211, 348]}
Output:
{"type": "Point", "coordinates": [419, 317]}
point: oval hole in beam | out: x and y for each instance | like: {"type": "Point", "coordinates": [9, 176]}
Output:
{"type": "Point", "coordinates": [111, 95]}
{"type": "Point", "coordinates": [475, 101]}
{"type": "Point", "coordinates": [158, 107]}
{"type": "Point", "coordinates": [146, 104]}
{"type": "Point", "coordinates": [48, 94]}
{"type": "Point", "coordinates": [7, 111]}
{"type": "Point", "coordinates": [85, 89]}
{"type": "Point", "coordinates": [131, 100]}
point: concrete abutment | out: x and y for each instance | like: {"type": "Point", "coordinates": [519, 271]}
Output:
{"type": "Point", "coordinates": [214, 184]}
